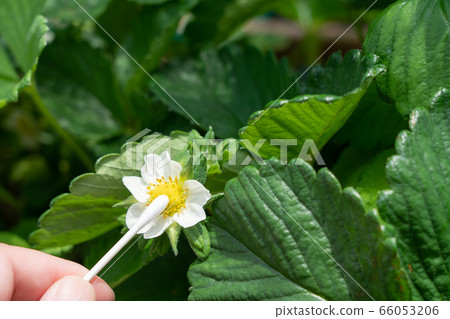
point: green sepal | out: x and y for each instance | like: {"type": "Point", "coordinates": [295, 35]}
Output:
{"type": "Point", "coordinates": [159, 246]}
{"type": "Point", "coordinates": [173, 232]}
{"type": "Point", "coordinates": [198, 238]}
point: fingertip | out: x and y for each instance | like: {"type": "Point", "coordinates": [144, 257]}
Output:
{"type": "Point", "coordinates": [103, 291]}
{"type": "Point", "coordinates": [70, 288]}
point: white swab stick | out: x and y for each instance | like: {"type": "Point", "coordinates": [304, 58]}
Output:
{"type": "Point", "coordinates": [156, 207]}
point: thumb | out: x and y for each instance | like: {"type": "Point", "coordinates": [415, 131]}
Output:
{"type": "Point", "coordinates": [70, 288]}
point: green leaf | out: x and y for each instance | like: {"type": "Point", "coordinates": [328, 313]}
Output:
{"type": "Point", "coordinates": [148, 36]}
{"type": "Point", "coordinates": [69, 11]}
{"type": "Point", "coordinates": [373, 125]}
{"type": "Point", "coordinates": [22, 40]}
{"type": "Point", "coordinates": [13, 239]}
{"type": "Point", "coordinates": [74, 219]}
{"type": "Point", "coordinates": [363, 171]}
{"type": "Point", "coordinates": [98, 185]}
{"type": "Point", "coordinates": [208, 146]}
{"type": "Point", "coordinates": [195, 169]}
{"type": "Point", "coordinates": [412, 40]}
{"type": "Point", "coordinates": [69, 87]}
{"type": "Point", "coordinates": [131, 157]}
{"type": "Point", "coordinates": [309, 13]}
{"type": "Point", "coordinates": [58, 251]}
{"type": "Point", "coordinates": [215, 21]}
{"type": "Point", "coordinates": [150, 1]}
{"type": "Point", "coordinates": [317, 117]}
{"type": "Point", "coordinates": [418, 204]}
{"type": "Point", "coordinates": [342, 74]}
{"type": "Point", "coordinates": [278, 234]}
{"type": "Point", "coordinates": [364, 4]}
{"type": "Point", "coordinates": [230, 168]}
{"type": "Point", "coordinates": [198, 238]}
{"type": "Point", "coordinates": [222, 88]}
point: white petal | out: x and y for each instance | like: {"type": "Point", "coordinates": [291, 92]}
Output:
{"type": "Point", "coordinates": [165, 156]}
{"type": "Point", "coordinates": [172, 169]}
{"type": "Point", "coordinates": [157, 227]}
{"type": "Point", "coordinates": [134, 212]}
{"type": "Point", "coordinates": [159, 166]}
{"type": "Point", "coordinates": [137, 187]}
{"type": "Point", "coordinates": [150, 171]}
{"type": "Point", "coordinates": [197, 193]}
{"type": "Point", "coordinates": [168, 167]}
{"type": "Point", "coordinates": [190, 216]}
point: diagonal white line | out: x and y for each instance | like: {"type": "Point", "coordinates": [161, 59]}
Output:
{"type": "Point", "coordinates": [324, 52]}
{"type": "Point", "coordinates": [136, 62]}
{"type": "Point", "coordinates": [315, 241]}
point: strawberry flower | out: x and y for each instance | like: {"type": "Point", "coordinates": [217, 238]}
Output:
{"type": "Point", "coordinates": [161, 176]}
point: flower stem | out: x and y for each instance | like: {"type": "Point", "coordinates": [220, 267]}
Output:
{"type": "Point", "coordinates": [79, 152]}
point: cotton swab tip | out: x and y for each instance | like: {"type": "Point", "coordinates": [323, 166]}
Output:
{"type": "Point", "coordinates": [157, 205]}
{"type": "Point", "coordinates": [155, 208]}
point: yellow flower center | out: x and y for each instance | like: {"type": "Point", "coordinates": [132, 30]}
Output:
{"type": "Point", "coordinates": [173, 189]}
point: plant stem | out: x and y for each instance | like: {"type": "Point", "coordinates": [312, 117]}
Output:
{"type": "Point", "coordinates": [80, 152]}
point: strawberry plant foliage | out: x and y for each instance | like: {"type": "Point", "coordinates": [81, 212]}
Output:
{"type": "Point", "coordinates": [277, 227]}
{"type": "Point", "coordinates": [217, 20]}
{"type": "Point", "coordinates": [364, 172]}
{"type": "Point", "coordinates": [376, 228]}
{"type": "Point", "coordinates": [412, 40]}
{"type": "Point", "coordinates": [71, 12]}
{"type": "Point", "coordinates": [22, 40]}
{"type": "Point", "coordinates": [68, 87]}
{"type": "Point", "coordinates": [147, 36]}
{"type": "Point", "coordinates": [363, 129]}
{"type": "Point", "coordinates": [223, 88]}
{"type": "Point", "coordinates": [75, 219]}
{"type": "Point", "coordinates": [318, 117]}
{"type": "Point", "coordinates": [418, 204]}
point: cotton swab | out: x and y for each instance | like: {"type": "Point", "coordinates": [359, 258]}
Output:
{"type": "Point", "coordinates": [156, 207]}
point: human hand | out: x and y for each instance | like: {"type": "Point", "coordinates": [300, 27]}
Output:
{"type": "Point", "coordinates": [27, 274]}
